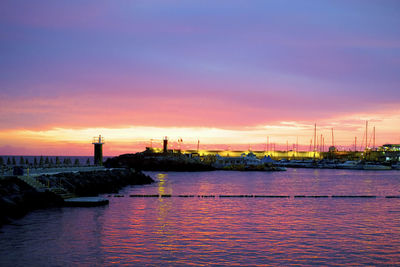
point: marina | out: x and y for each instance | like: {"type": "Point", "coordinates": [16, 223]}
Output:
{"type": "Point", "coordinates": [199, 133]}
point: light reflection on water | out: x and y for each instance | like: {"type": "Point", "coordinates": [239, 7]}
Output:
{"type": "Point", "coordinates": [221, 231]}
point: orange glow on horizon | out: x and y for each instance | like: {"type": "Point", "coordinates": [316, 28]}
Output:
{"type": "Point", "coordinates": [282, 136]}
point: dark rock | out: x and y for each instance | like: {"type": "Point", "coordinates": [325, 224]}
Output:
{"type": "Point", "coordinates": [158, 162]}
{"type": "Point", "coordinates": [17, 198]}
{"type": "Point", "coordinates": [96, 182]}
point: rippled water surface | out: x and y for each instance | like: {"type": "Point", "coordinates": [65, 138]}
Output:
{"type": "Point", "coordinates": [221, 231]}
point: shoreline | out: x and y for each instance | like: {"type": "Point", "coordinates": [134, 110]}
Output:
{"type": "Point", "coordinates": [18, 197]}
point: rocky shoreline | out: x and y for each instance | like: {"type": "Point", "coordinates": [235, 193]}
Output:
{"type": "Point", "coordinates": [159, 162]}
{"type": "Point", "coordinates": [18, 198]}
{"type": "Point", "coordinates": [92, 183]}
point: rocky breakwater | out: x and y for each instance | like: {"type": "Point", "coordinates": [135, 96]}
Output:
{"type": "Point", "coordinates": [17, 197]}
{"type": "Point", "coordinates": [95, 182]}
{"type": "Point", "coordinates": [159, 162]}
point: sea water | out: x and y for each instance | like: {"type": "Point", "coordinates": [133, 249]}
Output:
{"type": "Point", "coordinates": [215, 230]}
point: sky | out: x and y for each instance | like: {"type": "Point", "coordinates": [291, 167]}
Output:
{"type": "Point", "coordinates": [230, 73]}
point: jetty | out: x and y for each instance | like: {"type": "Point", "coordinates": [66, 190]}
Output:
{"type": "Point", "coordinates": [86, 201]}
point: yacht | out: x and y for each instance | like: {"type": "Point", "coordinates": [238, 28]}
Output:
{"type": "Point", "coordinates": [374, 166]}
{"type": "Point", "coordinates": [350, 164]}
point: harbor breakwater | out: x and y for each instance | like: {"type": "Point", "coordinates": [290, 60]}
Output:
{"type": "Point", "coordinates": [159, 162]}
{"type": "Point", "coordinates": [18, 198]}
{"type": "Point", "coordinates": [91, 183]}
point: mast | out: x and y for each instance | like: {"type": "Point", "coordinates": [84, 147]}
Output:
{"type": "Point", "coordinates": [315, 137]}
{"type": "Point", "coordinates": [320, 145]}
{"type": "Point", "coordinates": [366, 135]}
{"type": "Point", "coordinates": [287, 149]}
{"type": "Point", "coordinates": [373, 143]}
{"type": "Point", "coordinates": [333, 140]}
{"type": "Point", "coordinates": [355, 144]}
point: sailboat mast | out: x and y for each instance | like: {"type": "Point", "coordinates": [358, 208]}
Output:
{"type": "Point", "coordinates": [366, 135]}
{"type": "Point", "coordinates": [315, 137]}
{"type": "Point", "coordinates": [287, 148]}
{"type": "Point", "coordinates": [355, 144]}
{"type": "Point", "coordinates": [320, 144]}
{"type": "Point", "coordinates": [373, 144]}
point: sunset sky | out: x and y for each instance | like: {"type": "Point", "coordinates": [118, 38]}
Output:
{"type": "Point", "coordinates": [228, 73]}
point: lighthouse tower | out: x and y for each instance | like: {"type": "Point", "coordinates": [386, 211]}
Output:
{"type": "Point", "coordinates": [98, 150]}
{"type": "Point", "coordinates": [165, 145]}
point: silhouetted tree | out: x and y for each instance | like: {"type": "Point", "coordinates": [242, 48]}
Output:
{"type": "Point", "coordinates": [67, 161]}
{"type": "Point", "coordinates": [76, 163]}
{"type": "Point", "coordinates": [58, 161]}
{"type": "Point", "coordinates": [26, 162]}
{"type": "Point", "coordinates": [88, 162]}
{"type": "Point", "coordinates": [21, 160]}
{"type": "Point", "coordinates": [35, 162]}
{"type": "Point", "coordinates": [41, 161]}
{"type": "Point", "coordinates": [51, 162]}
{"type": "Point", "coordinates": [46, 161]}
{"type": "Point", "coordinates": [13, 161]}
{"type": "Point", "coordinates": [1, 161]}
{"type": "Point", "coordinates": [8, 161]}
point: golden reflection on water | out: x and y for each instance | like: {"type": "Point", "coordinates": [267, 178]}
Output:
{"type": "Point", "coordinates": [162, 177]}
{"type": "Point", "coordinates": [163, 215]}
{"type": "Point", "coordinates": [240, 231]}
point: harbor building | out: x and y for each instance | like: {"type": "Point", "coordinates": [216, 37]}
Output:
{"type": "Point", "coordinates": [390, 152]}
{"type": "Point", "coordinates": [276, 154]}
{"type": "Point", "coordinates": [385, 153]}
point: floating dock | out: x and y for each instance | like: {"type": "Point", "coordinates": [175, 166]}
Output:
{"type": "Point", "coordinates": [86, 202]}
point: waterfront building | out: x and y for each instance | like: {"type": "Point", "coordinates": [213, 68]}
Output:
{"type": "Point", "coordinates": [390, 152]}
{"type": "Point", "coordinates": [389, 147]}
